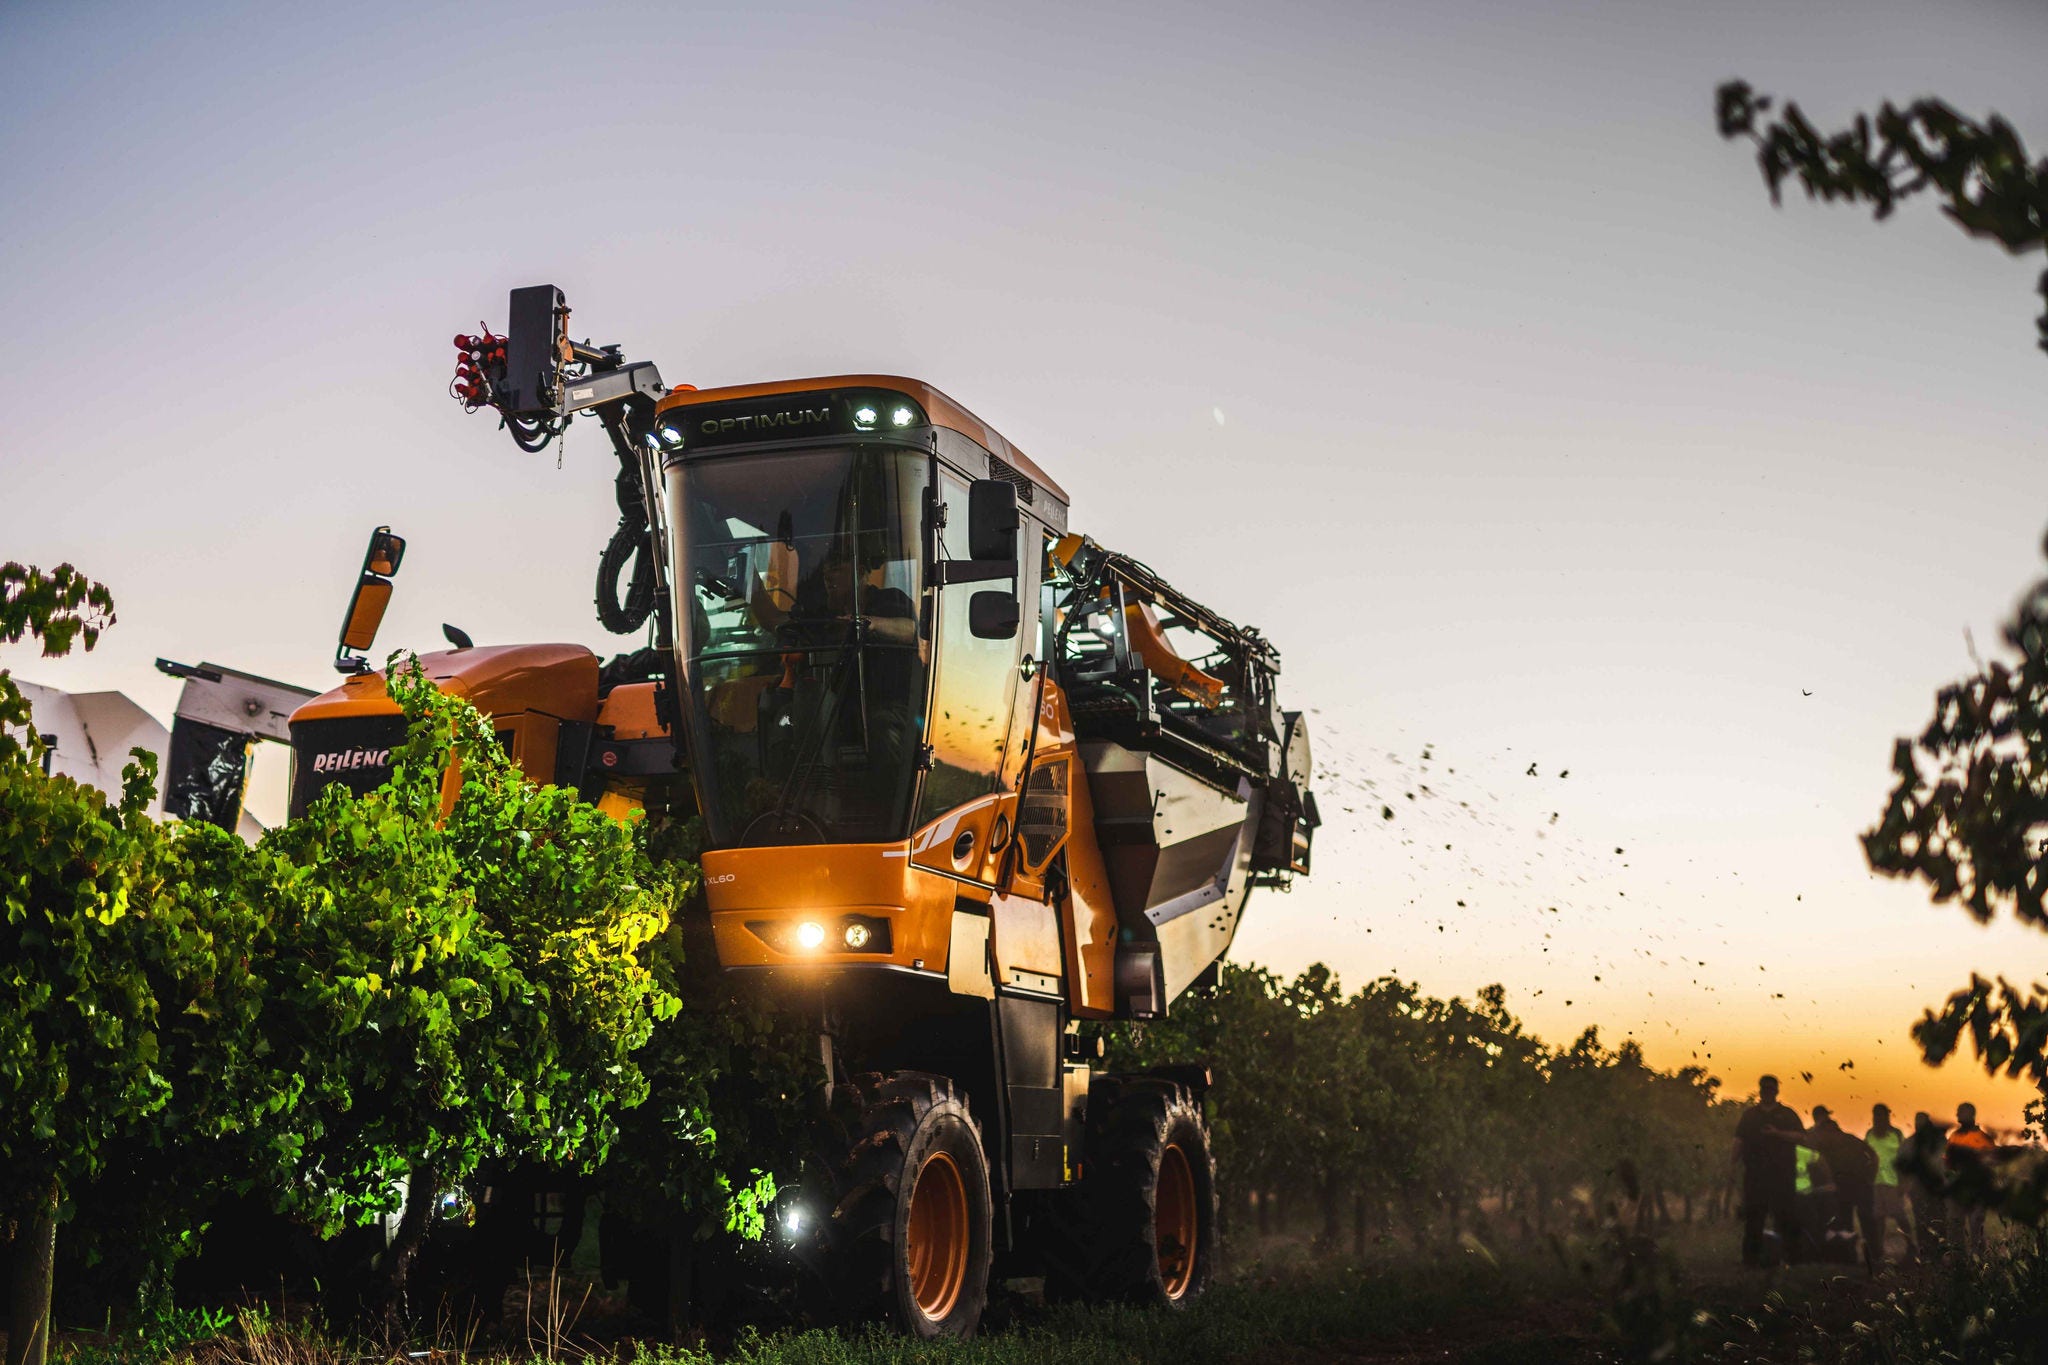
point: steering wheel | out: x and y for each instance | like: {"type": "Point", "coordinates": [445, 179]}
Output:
{"type": "Point", "coordinates": [813, 632]}
{"type": "Point", "coordinates": [770, 823]}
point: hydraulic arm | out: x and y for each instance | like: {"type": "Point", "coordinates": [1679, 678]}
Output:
{"type": "Point", "coordinates": [538, 381]}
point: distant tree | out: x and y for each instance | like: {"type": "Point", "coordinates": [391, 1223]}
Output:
{"type": "Point", "coordinates": [1446, 1113]}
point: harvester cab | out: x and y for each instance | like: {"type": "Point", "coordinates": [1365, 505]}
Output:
{"type": "Point", "coordinates": [967, 780]}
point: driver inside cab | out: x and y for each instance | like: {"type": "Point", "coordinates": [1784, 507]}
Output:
{"type": "Point", "coordinates": [840, 591]}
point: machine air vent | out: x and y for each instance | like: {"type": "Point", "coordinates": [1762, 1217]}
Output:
{"type": "Point", "coordinates": [1026, 490]}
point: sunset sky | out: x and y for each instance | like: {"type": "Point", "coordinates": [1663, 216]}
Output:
{"type": "Point", "coordinates": [1611, 522]}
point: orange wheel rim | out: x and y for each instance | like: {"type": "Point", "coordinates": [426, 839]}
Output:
{"type": "Point", "coordinates": [1176, 1227]}
{"type": "Point", "coordinates": [935, 1239]}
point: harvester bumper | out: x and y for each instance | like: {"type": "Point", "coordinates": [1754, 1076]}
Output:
{"type": "Point", "coordinates": [834, 905]}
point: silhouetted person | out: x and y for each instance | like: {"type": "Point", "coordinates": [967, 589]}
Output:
{"type": "Point", "coordinates": [1888, 1201]}
{"type": "Point", "coordinates": [1923, 1161]}
{"type": "Point", "coordinates": [1970, 1151]}
{"type": "Point", "coordinates": [1766, 1144]}
{"type": "Point", "coordinates": [1854, 1166]}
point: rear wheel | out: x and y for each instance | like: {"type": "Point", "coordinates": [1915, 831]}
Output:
{"type": "Point", "coordinates": [911, 1220]}
{"type": "Point", "coordinates": [1141, 1227]}
{"type": "Point", "coordinates": [1176, 1222]}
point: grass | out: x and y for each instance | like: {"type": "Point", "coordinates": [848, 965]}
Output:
{"type": "Point", "coordinates": [1286, 1306]}
{"type": "Point", "coordinates": [1272, 1319]}
{"type": "Point", "coordinates": [158, 1336]}
{"type": "Point", "coordinates": [1592, 1299]}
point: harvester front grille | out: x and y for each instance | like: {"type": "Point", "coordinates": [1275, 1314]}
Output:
{"type": "Point", "coordinates": [352, 750]}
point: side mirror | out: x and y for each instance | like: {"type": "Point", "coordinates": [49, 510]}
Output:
{"type": "Point", "coordinates": [992, 520]}
{"type": "Point", "coordinates": [366, 605]}
{"type": "Point", "coordinates": [993, 615]}
{"type": "Point", "coordinates": [386, 552]}
{"type": "Point", "coordinates": [992, 524]}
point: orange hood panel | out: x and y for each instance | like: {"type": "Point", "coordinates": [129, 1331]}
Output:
{"type": "Point", "coordinates": [499, 680]}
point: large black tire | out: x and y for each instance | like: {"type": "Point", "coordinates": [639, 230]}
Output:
{"type": "Point", "coordinates": [911, 1216]}
{"type": "Point", "coordinates": [1141, 1227]}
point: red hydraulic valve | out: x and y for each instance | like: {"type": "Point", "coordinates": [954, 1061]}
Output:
{"type": "Point", "coordinates": [479, 367]}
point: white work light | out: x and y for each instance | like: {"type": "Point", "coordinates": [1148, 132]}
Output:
{"type": "Point", "coordinates": [810, 935]}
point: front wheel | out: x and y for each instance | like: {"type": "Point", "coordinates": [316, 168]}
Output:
{"type": "Point", "coordinates": [911, 1221]}
{"type": "Point", "coordinates": [1142, 1225]}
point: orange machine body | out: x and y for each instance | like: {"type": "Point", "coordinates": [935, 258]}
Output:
{"type": "Point", "coordinates": [528, 691]}
{"type": "Point", "coordinates": [1008, 891]}
{"type": "Point", "coordinates": [758, 896]}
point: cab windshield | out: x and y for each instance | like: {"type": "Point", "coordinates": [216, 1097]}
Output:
{"type": "Point", "coordinates": [804, 668]}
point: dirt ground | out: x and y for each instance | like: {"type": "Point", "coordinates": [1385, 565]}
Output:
{"type": "Point", "coordinates": [1718, 1309]}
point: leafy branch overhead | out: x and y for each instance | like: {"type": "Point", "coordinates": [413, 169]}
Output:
{"type": "Point", "coordinates": [1968, 816]}
{"type": "Point", "coordinates": [1979, 171]}
{"type": "Point", "coordinates": [1969, 807]}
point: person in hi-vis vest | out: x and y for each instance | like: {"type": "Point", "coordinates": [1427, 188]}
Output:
{"type": "Point", "coordinates": [1888, 1201]}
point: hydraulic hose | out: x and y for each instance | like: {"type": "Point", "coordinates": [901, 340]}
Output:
{"type": "Point", "coordinates": [624, 614]}
{"type": "Point", "coordinates": [531, 435]}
